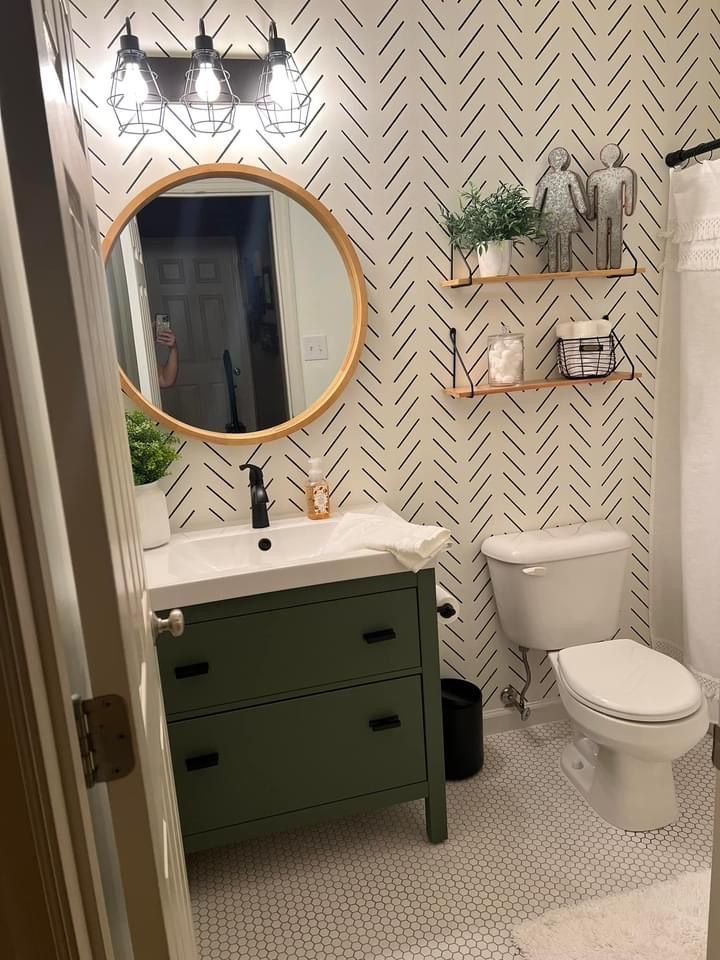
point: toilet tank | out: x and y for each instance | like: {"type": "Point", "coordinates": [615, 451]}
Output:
{"type": "Point", "coordinates": [559, 587]}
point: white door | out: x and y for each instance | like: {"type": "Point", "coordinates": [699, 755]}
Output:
{"type": "Point", "coordinates": [49, 182]}
{"type": "Point", "coordinates": [140, 318]}
{"type": "Point", "coordinates": [196, 282]}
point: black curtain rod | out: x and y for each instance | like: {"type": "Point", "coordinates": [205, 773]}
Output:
{"type": "Point", "coordinates": [680, 156]}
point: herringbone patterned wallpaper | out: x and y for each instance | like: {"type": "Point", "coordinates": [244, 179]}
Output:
{"type": "Point", "coordinates": [412, 99]}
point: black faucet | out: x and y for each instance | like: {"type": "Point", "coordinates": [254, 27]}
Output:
{"type": "Point", "coordinates": [258, 497]}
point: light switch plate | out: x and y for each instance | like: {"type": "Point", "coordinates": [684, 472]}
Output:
{"type": "Point", "coordinates": [315, 347]}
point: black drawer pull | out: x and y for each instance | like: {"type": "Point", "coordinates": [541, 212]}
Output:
{"type": "Point", "coordinates": [202, 762]}
{"type": "Point", "coordinates": [385, 723]}
{"type": "Point", "coordinates": [377, 636]}
{"type": "Point", "coordinates": [191, 670]}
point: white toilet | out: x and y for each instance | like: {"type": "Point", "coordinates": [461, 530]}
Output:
{"type": "Point", "coordinates": [634, 710]}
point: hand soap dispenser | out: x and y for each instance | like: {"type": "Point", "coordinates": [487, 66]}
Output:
{"type": "Point", "coordinates": [318, 491]}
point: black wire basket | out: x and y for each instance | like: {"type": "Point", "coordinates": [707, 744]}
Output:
{"type": "Point", "coordinates": [589, 357]}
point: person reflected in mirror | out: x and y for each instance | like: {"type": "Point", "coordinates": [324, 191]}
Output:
{"type": "Point", "coordinates": [168, 371]}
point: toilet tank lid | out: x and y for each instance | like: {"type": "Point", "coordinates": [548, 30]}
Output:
{"type": "Point", "coordinates": [557, 543]}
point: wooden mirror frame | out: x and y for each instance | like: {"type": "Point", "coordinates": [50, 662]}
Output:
{"type": "Point", "coordinates": [347, 254]}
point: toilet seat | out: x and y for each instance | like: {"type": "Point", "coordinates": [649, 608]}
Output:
{"type": "Point", "coordinates": [627, 680]}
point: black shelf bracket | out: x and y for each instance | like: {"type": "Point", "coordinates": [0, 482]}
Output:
{"type": "Point", "coordinates": [458, 357]}
{"type": "Point", "coordinates": [621, 276]}
{"type": "Point", "coordinates": [619, 342]}
{"type": "Point", "coordinates": [470, 270]}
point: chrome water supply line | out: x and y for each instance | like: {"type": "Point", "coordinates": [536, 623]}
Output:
{"type": "Point", "coordinates": [511, 697]}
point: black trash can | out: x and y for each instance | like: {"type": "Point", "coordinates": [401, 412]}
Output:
{"type": "Point", "coordinates": [462, 728]}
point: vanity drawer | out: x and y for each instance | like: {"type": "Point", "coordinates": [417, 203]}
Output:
{"type": "Point", "coordinates": [275, 758]}
{"type": "Point", "coordinates": [225, 661]}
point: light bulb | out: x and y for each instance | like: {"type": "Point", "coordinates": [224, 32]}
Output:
{"type": "Point", "coordinates": [207, 85]}
{"type": "Point", "coordinates": [132, 86]}
{"type": "Point", "coordinates": [281, 87]}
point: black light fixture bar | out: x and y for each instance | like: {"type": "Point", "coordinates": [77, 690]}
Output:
{"type": "Point", "coordinates": [244, 75]}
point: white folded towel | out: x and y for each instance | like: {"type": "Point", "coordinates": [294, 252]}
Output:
{"type": "Point", "coordinates": [379, 528]}
{"type": "Point", "coordinates": [580, 329]}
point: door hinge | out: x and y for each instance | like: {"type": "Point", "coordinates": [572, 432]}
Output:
{"type": "Point", "coordinates": [105, 738]}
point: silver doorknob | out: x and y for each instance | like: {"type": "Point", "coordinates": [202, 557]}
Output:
{"type": "Point", "coordinates": [174, 624]}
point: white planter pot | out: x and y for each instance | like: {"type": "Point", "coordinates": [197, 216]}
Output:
{"type": "Point", "coordinates": [152, 515]}
{"type": "Point", "coordinates": [495, 261]}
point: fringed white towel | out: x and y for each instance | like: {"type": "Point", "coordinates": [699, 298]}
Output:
{"type": "Point", "coordinates": [380, 528]}
{"type": "Point", "coordinates": [685, 541]}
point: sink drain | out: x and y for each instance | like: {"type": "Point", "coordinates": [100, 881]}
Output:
{"type": "Point", "coordinates": [264, 543]}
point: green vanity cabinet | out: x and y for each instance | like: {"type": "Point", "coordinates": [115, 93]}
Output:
{"type": "Point", "coordinates": [298, 706]}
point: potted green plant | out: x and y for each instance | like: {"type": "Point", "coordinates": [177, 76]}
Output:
{"type": "Point", "coordinates": [151, 453]}
{"type": "Point", "coordinates": [491, 224]}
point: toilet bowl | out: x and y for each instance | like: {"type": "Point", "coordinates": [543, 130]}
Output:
{"type": "Point", "coordinates": [634, 710]}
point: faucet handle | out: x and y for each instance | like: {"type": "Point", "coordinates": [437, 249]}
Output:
{"type": "Point", "coordinates": [256, 474]}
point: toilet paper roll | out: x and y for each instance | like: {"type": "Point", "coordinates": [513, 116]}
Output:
{"type": "Point", "coordinates": [565, 330]}
{"type": "Point", "coordinates": [604, 328]}
{"type": "Point", "coordinates": [448, 608]}
{"type": "Point", "coordinates": [579, 329]}
{"type": "Point", "coordinates": [585, 328]}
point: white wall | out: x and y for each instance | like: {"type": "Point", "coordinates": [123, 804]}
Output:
{"type": "Point", "coordinates": [412, 100]}
{"type": "Point", "coordinates": [323, 297]}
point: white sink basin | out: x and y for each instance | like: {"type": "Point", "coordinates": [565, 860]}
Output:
{"type": "Point", "coordinates": [289, 542]}
{"type": "Point", "coordinates": [210, 565]}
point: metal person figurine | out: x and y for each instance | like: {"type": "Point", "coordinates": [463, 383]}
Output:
{"type": "Point", "coordinates": [560, 197]}
{"type": "Point", "coordinates": [611, 191]}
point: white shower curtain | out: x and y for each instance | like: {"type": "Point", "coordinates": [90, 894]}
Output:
{"type": "Point", "coordinates": [685, 542]}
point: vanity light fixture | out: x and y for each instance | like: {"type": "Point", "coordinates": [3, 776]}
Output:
{"type": "Point", "coordinates": [208, 96]}
{"type": "Point", "coordinates": [134, 94]}
{"type": "Point", "coordinates": [283, 102]}
{"type": "Point", "coordinates": [210, 89]}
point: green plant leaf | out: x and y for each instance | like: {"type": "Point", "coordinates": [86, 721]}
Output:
{"type": "Point", "coordinates": [506, 214]}
{"type": "Point", "coordinates": [151, 450]}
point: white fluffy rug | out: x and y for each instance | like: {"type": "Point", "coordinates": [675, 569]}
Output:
{"type": "Point", "coordinates": [664, 921]}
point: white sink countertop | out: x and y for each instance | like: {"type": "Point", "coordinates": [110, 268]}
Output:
{"type": "Point", "coordinates": [205, 566]}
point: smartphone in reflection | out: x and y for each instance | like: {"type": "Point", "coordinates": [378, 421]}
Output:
{"type": "Point", "coordinates": [162, 323]}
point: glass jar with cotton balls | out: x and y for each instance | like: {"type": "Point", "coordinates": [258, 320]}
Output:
{"type": "Point", "coordinates": [506, 358]}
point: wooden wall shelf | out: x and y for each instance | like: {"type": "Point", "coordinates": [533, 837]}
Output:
{"type": "Point", "coordinates": [483, 389]}
{"type": "Point", "coordinates": [528, 277]}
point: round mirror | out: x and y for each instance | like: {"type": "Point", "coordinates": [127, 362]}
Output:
{"type": "Point", "coordinates": [238, 303]}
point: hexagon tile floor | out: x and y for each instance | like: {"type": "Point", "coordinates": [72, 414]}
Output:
{"type": "Point", "coordinates": [522, 841]}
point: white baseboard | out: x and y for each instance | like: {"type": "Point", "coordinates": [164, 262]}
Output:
{"type": "Point", "coordinates": [501, 719]}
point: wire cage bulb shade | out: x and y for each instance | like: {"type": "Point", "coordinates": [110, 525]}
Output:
{"type": "Point", "coordinates": [135, 97]}
{"type": "Point", "coordinates": [283, 102]}
{"type": "Point", "coordinates": [208, 96]}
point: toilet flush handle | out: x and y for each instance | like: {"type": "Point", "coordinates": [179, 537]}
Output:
{"type": "Point", "coordinates": [535, 571]}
